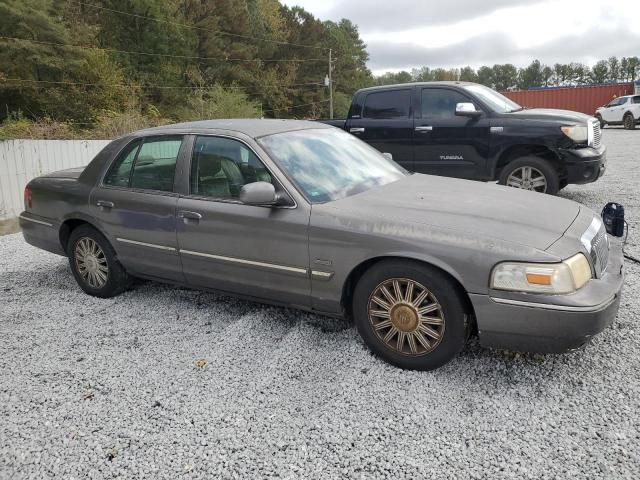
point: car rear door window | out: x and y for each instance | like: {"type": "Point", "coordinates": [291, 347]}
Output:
{"type": "Point", "coordinates": [636, 99]}
{"type": "Point", "coordinates": [146, 165]}
{"type": "Point", "coordinates": [388, 104]}
{"type": "Point", "coordinates": [155, 165]}
{"type": "Point", "coordinates": [441, 102]}
{"type": "Point", "coordinates": [221, 166]}
{"type": "Point", "coordinates": [120, 172]}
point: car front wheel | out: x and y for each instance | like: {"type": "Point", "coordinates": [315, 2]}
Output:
{"type": "Point", "coordinates": [410, 315]}
{"type": "Point", "coordinates": [531, 173]}
{"type": "Point", "coordinates": [629, 122]}
{"type": "Point", "coordinates": [94, 264]}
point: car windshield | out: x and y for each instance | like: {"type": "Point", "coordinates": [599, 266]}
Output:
{"type": "Point", "coordinates": [328, 164]}
{"type": "Point", "coordinates": [496, 101]}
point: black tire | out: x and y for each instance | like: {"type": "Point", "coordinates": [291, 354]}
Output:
{"type": "Point", "coordinates": [629, 122]}
{"type": "Point", "coordinates": [443, 293]}
{"type": "Point", "coordinates": [602, 122]}
{"type": "Point", "coordinates": [543, 166]}
{"type": "Point", "coordinates": [117, 279]}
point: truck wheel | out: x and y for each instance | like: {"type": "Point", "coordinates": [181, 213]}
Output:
{"type": "Point", "coordinates": [629, 121]}
{"type": "Point", "coordinates": [410, 315]}
{"type": "Point", "coordinates": [94, 264]}
{"type": "Point", "coordinates": [531, 173]}
{"type": "Point", "coordinates": [602, 122]}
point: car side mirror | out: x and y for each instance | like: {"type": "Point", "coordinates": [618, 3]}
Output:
{"type": "Point", "coordinates": [263, 194]}
{"type": "Point", "coordinates": [388, 156]}
{"type": "Point", "coordinates": [258, 193]}
{"type": "Point", "coordinates": [467, 109]}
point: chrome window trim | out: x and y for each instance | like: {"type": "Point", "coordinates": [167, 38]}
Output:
{"type": "Point", "coordinates": [242, 261]}
{"type": "Point", "coordinates": [41, 222]}
{"type": "Point", "coordinates": [144, 244]}
{"type": "Point", "coordinates": [232, 200]}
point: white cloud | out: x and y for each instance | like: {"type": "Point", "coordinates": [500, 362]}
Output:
{"type": "Point", "coordinates": [403, 34]}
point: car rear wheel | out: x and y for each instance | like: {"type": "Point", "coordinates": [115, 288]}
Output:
{"type": "Point", "coordinates": [410, 315]}
{"type": "Point", "coordinates": [602, 122]}
{"type": "Point", "coordinates": [94, 264]}
{"type": "Point", "coordinates": [629, 122]}
{"type": "Point", "coordinates": [531, 173]}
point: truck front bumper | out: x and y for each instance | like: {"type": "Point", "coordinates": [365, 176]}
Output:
{"type": "Point", "coordinates": [585, 165]}
{"type": "Point", "coordinates": [556, 325]}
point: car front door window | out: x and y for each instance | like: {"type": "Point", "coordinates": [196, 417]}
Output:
{"type": "Point", "coordinates": [221, 166]}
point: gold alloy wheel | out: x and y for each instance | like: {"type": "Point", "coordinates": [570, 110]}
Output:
{"type": "Point", "coordinates": [406, 316]}
{"type": "Point", "coordinates": [91, 262]}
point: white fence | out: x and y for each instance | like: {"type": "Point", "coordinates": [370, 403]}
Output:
{"type": "Point", "coordinates": [22, 160]}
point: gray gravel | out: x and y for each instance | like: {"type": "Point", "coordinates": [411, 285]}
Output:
{"type": "Point", "coordinates": [163, 382]}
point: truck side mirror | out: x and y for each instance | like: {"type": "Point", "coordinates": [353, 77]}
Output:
{"type": "Point", "coordinates": [467, 109]}
{"type": "Point", "coordinates": [388, 156]}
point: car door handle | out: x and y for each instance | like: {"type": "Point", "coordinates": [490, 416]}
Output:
{"type": "Point", "coordinates": [356, 130]}
{"type": "Point", "coordinates": [189, 215]}
{"type": "Point", "coordinates": [105, 204]}
{"type": "Point", "coordinates": [424, 129]}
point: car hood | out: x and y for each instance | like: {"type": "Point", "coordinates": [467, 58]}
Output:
{"type": "Point", "coordinates": [487, 210]}
{"type": "Point", "coordinates": [560, 116]}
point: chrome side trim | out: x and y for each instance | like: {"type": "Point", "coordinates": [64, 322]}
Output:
{"type": "Point", "coordinates": [143, 244]}
{"type": "Point", "coordinates": [242, 261]}
{"type": "Point", "coordinates": [36, 221]}
{"type": "Point", "coordinates": [549, 306]}
{"type": "Point", "coordinates": [319, 275]}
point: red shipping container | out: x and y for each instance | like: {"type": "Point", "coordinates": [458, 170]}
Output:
{"type": "Point", "coordinates": [583, 99]}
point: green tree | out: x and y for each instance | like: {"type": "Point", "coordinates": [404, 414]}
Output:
{"type": "Point", "coordinates": [468, 74]}
{"type": "Point", "coordinates": [600, 72]}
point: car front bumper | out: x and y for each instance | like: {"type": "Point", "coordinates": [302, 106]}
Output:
{"type": "Point", "coordinates": [585, 165]}
{"type": "Point", "coordinates": [557, 324]}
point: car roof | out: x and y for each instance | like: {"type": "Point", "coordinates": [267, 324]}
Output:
{"type": "Point", "coordinates": [418, 84]}
{"type": "Point", "coordinates": [251, 127]}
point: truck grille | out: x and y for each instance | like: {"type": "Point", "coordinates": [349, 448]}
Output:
{"type": "Point", "coordinates": [599, 251]}
{"type": "Point", "coordinates": [595, 134]}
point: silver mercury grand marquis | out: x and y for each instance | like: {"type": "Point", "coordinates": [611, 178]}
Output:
{"type": "Point", "coordinates": [303, 215]}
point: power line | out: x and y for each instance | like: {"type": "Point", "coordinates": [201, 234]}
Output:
{"type": "Point", "coordinates": [177, 87]}
{"type": "Point", "coordinates": [166, 55]}
{"type": "Point", "coordinates": [194, 27]}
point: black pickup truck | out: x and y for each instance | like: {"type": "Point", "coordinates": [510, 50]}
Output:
{"type": "Point", "coordinates": [466, 130]}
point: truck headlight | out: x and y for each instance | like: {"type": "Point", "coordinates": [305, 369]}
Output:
{"type": "Point", "coordinates": [552, 278]}
{"type": "Point", "coordinates": [577, 133]}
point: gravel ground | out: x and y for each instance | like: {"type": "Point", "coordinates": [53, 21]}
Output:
{"type": "Point", "coordinates": [163, 382]}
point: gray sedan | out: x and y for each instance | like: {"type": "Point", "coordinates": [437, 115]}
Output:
{"type": "Point", "coordinates": [304, 215]}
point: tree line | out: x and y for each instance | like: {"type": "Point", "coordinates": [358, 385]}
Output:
{"type": "Point", "coordinates": [112, 66]}
{"type": "Point", "coordinates": [107, 63]}
{"type": "Point", "coordinates": [509, 77]}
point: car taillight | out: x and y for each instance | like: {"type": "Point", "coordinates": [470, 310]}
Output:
{"type": "Point", "coordinates": [27, 198]}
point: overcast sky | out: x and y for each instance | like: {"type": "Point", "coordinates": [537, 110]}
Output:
{"type": "Point", "coordinates": [403, 34]}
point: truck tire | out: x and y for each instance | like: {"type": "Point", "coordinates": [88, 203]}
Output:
{"type": "Point", "coordinates": [629, 122]}
{"type": "Point", "coordinates": [94, 264]}
{"type": "Point", "coordinates": [531, 173]}
{"type": "Point", "coordinates": [409, 314]}
{"type": "Point", "coordinates": [600, 119]}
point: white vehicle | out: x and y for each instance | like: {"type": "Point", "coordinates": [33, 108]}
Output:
{"type": "Point", "coordinates": [620, 111]}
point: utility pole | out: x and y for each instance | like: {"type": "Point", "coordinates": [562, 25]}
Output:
{"type": "Point", "coordinates": [330, 89]}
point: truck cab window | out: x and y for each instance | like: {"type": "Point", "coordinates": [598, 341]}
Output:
{"type": "Point", "coordinates": [388, 104]}
{"type": "Point", "coordinates": [441, 102]}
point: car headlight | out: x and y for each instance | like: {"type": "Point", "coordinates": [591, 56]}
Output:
{"type": "Point", "coordinates": [552, 278]}
{"type": "Point", "coordinates": [577, 133]}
